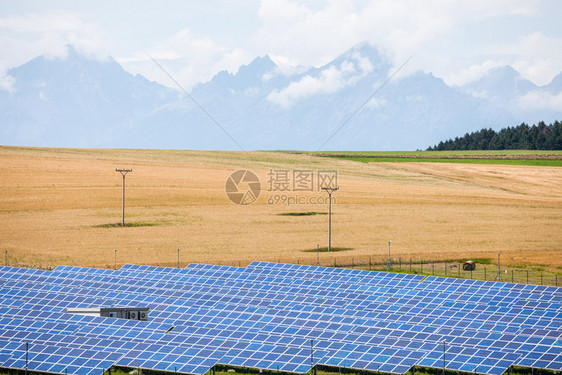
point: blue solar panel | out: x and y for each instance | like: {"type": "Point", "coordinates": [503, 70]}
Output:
{"type": "Point", "coordinates": [264, 316]}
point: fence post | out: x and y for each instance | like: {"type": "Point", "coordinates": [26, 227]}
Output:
{"type": "Point", "coordinates": [527, 276]}
{"type": "Point", "coordinates": [459, 270]}
{"type": "Point", "coordinates": [484, 273]}
{"type": "Point", "coordinates": [421, 266]}
{"type": "Point", "coordinates": [400, 260]}
{"type": "Point", "coordinates": [556, 276]}
{"type": "Point", "coordinates": [541, 278]}
{"type": "Point", "coordinates": [433, 267]}
{"type": "Point", "coordinates": [369, 263]}
{"type": "Point", "coordinates": [445, 269]}
{"type": "Point", "coordinates": [512, 276]}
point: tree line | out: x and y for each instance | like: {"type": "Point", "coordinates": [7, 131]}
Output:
{"type": "Point", "coordinates": [521, 137]}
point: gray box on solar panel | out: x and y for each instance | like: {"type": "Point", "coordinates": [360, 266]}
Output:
{"type": "Point", "coordinates": [91, 311]}
{"type": "Point", "coordinates": [131, 313]}
{"type": "Point", "coordinates": [138, 314]}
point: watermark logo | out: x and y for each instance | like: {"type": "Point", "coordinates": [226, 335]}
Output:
{"type": "Point", "coordinates": [243, 187]}
{"type": "Point", "coordinates": [285, 186]}
{"type": "Point", "coordinates": [301, 180]}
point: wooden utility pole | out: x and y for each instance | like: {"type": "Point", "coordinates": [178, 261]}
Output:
{"type": "Point", "coordinates": [123, 173]}
{"type": "Point", "coordinates": [330, 190]}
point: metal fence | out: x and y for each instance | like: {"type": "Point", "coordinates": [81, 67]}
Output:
{"type": "Point", "coordinates": [485, 272]}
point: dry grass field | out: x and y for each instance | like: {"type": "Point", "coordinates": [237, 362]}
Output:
{"type": "Point", "coordinates": [57, 207]}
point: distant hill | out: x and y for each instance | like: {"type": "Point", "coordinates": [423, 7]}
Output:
{"type": "Point", "coordinates": [522, 137]}
{"type": "Point", "coordinates": [81, 102]}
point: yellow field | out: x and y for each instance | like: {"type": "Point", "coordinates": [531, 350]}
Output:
{"type": "Point", "coordinates": [54, 204]}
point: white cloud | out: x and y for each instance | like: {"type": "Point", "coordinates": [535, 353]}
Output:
{"type": "Point", "coordinates": [302, 35]}
{"type": "Point", "coordinates": [188, 58]}
{"type": "Point", "coordinates": [329, 80]}
{"type": "Point", "coordinates": [286, 67]}
{"type": "Point", "coordinates": [455, 40]}
{"type": "Point", "coordinates": [541, 100]}
{"type": "Point", "coordinates": [538, 57]}
{"type": "Point", "coordinates": [36, 22]}
{"type": "Point", "coordinates": [446, 37]}
{"type": "Point", "coordinates": [474, 72]}
{"type": "Point", "coordinates": [47, 34]}
{"type": "Point", "coordinates": [377, 103]}
{"type": "Point", "coordinates": [7, 83]}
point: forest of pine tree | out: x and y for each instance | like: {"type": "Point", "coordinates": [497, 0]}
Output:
{"type": "Point", "coordinates": [522, 137]}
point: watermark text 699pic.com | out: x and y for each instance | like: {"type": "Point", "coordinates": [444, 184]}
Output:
{"type": "Point", "coordinates": [286, 187]}
{"type": "Point", "coordinates": [291, 200]}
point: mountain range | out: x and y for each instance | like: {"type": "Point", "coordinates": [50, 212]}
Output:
{"type": "Point", "coordinates": [82, 102]}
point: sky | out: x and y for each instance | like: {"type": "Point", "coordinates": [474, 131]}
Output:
{"type": "Point", "coordinates": [458, 41]}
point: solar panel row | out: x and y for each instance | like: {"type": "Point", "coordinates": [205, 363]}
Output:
{"type": "Point", "coordinates": [366, 320]}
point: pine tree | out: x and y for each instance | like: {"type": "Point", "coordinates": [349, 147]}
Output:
{"type": "Point", "coordinates": [521, 137]}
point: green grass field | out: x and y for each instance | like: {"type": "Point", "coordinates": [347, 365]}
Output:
{"type": "Point", "coordinates": [504, 157]}
{"type": "Point", "coordinates": [538, 163]}
{"type": "Point", "coordinates": [321, 370]}
{"type": "Point", "coordinates": [521, 153]}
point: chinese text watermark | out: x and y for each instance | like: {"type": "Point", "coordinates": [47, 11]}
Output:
{"type": "Point", "coordinates": [286, 186]}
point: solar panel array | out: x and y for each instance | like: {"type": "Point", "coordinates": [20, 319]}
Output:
{"type": "Point", "coordinates": [274, 316]}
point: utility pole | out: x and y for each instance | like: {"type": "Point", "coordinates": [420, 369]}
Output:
{"type": "Point", "coordinates": [444, 343]}
{"type": "Point", "coordinates": [330, 190]}
{"type": "Point", "coordinates": [123, 173]}
{"type": "Point", "coordinates": [26, 355]}
{"type": "Point", "coordinates": [312, 369]}
{"type": "Point", "coordinates": [388, 262]}
{"type": "Point", "coordinates": [499, 271]}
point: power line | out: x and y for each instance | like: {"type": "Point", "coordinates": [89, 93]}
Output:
{"type": "Point", "coordinates": [197, 104]}
{"type": "Point", "coordinates": [365, 103]}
